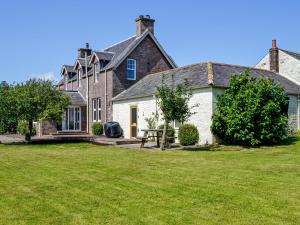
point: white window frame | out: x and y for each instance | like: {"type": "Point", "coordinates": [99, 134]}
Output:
{"type": "Point", "coordinates": [79, 77]}
{"type": "Point", "coordinates": [94, 107]}
{"type": "Point", "coordinates": [97, 73]}
{"type": "Point", "coordinates": [99, 109]}
{"type": "Point", "coordinates": [131, 69]}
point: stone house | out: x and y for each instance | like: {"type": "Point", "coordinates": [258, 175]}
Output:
{"type": "Point", "coordinates": [98, 76]}
{"type": "Point", "coordinates": [284, 62]}
{"type": "Point", "coordinates": [207, 80]}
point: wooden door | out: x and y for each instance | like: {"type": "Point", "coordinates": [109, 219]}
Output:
{"type": "Point", "coordinates": [133, 121]}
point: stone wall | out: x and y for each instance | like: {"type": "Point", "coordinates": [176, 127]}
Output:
{"type": "Point", "coordinates": [289, 67]}
{"type": "Point", "coordinates": [49, 127]}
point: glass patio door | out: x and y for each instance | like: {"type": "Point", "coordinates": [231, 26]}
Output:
{"type": "Point", "coordinates": [72, 119]}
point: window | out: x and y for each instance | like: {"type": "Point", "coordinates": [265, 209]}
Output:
{"type": "Point", "coordinates": [96, 109]}
{"type": "Point", "coordinates": [97, 71]}
{"type": "Point", "coordinates": [99, 109]}
{"type": "Point", "coordinates": [131, 69]}
{"type": "Point", "coordinates": [79, 77]}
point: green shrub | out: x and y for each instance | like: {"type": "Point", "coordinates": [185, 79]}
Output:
{"type": "Point", "coordinates": [97, 128]}
{"type": "Point", "coordinates": [170, 133]}
{"type": "Point", "coordinates": [23, 129]}
{"type": "Point", "coordinates": [188, 134]}
{"type": "Point", "coordinates": [252, 111]}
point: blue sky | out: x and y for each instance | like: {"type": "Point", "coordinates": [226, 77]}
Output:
{"type": "Point", "coordinates": [37, 37]}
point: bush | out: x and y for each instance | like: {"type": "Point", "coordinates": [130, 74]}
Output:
{"type": "Point", "coordinates": [23, 129]}
{"type": "Point", "coordinates": [170, 133]}
{"type": "Point", "coordinates": [97, 128]}
{"type": "Point", "coordinates": [252, 111]}
{"type": "Point", "coordinates": [188, 134]}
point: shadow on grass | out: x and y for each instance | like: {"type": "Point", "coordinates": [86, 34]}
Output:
{"type": "Point", "coordinates": [226, 147]}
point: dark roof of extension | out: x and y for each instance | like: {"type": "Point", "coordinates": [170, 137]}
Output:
{"type": "Point", "coordinates": [201, 75]}
{"type": "Point", "coordinates": [75, 98]}
{"type": "Point", "coordinates": [293, 54]}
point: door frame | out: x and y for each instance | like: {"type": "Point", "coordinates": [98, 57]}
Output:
{"type": "Point", "coordinates": [130, 124]}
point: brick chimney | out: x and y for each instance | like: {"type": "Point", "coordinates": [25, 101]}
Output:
{"type": "Point", "coordinates": [274, 57]}
{"type": "Point", "coordinates": [143, 23]}
{"type": "Point", "coordinates": [82, 51]}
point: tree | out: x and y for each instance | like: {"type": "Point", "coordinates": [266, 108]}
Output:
{"type": "Point", "coordinates": [39, 100]}
{"type": "Point", "coordinates": [174, 104]}
{"type": "Point", "coordinates": [252, 111]}
{"type": "Point", "coordinates": [8, 118]}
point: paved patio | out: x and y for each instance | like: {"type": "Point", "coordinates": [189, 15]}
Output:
{"type": "Point", "coordinates": [99, 140]}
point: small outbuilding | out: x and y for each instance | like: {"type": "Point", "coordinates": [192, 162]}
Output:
{"type": "Point", "coordinates": [207, 80]}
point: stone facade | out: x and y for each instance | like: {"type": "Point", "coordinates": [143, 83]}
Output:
{"type": "Point", "coordinates": [288, 66]}
{"type": "Point", "coordinates": [149, 59]}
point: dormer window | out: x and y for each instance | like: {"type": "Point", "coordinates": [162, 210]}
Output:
{"type": "Point", "coordinates": [79, 77]}
{"type": "Point", "coordinates": [97, 71]}
{"type": "Point", "coordinates": [131, 69]}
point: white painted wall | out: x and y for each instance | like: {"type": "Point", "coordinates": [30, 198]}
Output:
{"type": "Point", "coordinates": [147, 106]}
{"type": "Point", "coordinates": [206, 99]}
{"type": "Point", "coordinates": [289, 67]}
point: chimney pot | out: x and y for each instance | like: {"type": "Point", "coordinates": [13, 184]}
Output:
{"type": "Point", "coordinates": [274, 45]}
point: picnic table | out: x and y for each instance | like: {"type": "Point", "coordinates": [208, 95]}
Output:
{"type": "Point", "coordinates": [151, 133]}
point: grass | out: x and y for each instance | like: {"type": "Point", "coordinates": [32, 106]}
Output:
{"type": "Point", "coordinates": [88, 184]}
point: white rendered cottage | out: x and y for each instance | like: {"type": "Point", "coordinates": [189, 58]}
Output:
{"type": "Point", "coordinates": [131, 107]}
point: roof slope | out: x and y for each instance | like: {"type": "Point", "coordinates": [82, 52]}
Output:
{"type": "Point", "coordinates": [293, 54]}
{"type": "Point", "coordinates": [104, 55]}
{"type": "Point", "coordinates": [75, 98]}
{"type": "Point", "coordinates": [69, 68]}
{"type": "Point", "coordinates": [201, 75]}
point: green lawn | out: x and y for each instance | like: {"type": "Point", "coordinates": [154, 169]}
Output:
{"type": "Point", "coordinates": [89, 184]}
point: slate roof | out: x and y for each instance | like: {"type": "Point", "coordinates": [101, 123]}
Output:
{"type": "Point", "coordinates": [104, 55]}
{"type": "Point", "coordinates": [75, 98]}
{"type": "Point", "coordinates": [119, 50]}
{"type": "Point", "coordinates": [82, 61]}
{"type": "Point", "coordinates": [116, 53]}
{"type": "Point", "coordinates": [293, 54]}
{"type": "Point", "coordinates": [201, 75]}
{"type": "Point", "coordinates": [69, 68]}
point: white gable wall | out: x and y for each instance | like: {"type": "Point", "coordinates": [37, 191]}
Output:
{"type": "Point", "coordinates": [289, 67]}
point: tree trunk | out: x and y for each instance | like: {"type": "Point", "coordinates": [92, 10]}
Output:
{"type": "Point", "coordinates": [164, 136]}
{"type": "Point", "coordinates": [30, 127]}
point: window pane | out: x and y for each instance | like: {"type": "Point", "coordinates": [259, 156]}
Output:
{"type": "Point", "coordinates": [133, 115]}
{"type": "Point", "coordinates": [99, 115]}
{"type": "Point", "coordinates": [99, 103]}
{"type": "Point", "coordinates": [131, 74]}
